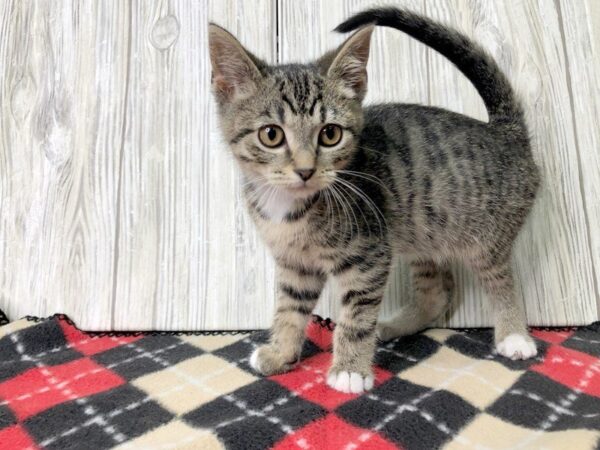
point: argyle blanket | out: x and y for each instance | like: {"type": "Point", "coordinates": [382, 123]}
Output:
{"type": "Point", "coordinates": [62, 388]}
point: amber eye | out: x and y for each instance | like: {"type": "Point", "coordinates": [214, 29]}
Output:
{"type": "Point", "coordinates": [271, 136]}
{"type": "Point", "coordinates": [330, 135]}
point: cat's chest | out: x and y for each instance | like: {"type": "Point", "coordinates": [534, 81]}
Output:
{"type": "Point", "coordinates": [276, 206]}
{"type": "Point", "coordinates": [286, 237]}
{"type": "Point", "coordinates": [288, 226]}
{"type": "Point", "coordinates": [290, 239]}
{"type": "Point", "coordinates": [296, 249]}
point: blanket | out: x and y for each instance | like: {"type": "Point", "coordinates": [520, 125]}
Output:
{"type": "Point", "coordinates": [63, 388]}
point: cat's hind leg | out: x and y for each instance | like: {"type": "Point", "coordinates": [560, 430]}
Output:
{"type": "Point", "coordinates": [510, 329]}
{"type": "Point", "coordinates": [434, 292]}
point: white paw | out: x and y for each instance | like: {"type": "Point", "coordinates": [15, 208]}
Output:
{"type": "Point", "coordinates": [350, 382]}
{"type": "Point", "coordinates": [254, 361]}
{"type": "Point", "coordinates": [517, 346]}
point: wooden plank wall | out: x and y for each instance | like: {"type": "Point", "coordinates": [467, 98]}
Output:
{"type": "Point", "coordinates": [120, 205]}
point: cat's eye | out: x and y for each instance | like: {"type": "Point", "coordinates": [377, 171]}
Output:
{"type": "Point", "coordinates": [330, 135]}
{"type": "Point", "coordinates": [271, 136]}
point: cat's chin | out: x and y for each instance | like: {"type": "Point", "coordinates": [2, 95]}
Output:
{"type": "Point", "coordinates": [302, 192]}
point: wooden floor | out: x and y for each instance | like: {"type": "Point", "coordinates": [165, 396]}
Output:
{"type": "Point", "coordinates": [120, 206]}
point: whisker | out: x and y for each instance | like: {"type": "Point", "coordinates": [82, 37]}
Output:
{"type": "Point", "coordinates": [369, 203]}
{"type": "Point", "coordinates": [331, 215]}
{"type": "Point", "coordinates": [345, 199]}
{"type": "Point", "coordinates": [257, 192]}
{"type": "Point", "coordinates": [371, 150]}
{"type": "Point", "coordinates": [272, 193]}
{"type": "Point", "coordinates": [355, 202]}
{"type": "Point", "coordinates": [342, 208]}
{"type": "Point", "coordinates": [258, 179]}
{"type": "Point", "coordinates": [367, 177]}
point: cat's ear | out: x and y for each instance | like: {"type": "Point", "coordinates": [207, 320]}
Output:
{"type": "Point", "coordinates": [234, 70]}
{"type": "Point", "coordinates": [349, 63]}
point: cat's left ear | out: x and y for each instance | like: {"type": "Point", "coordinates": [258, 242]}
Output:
{"type": "Point", "coordinates": [349, 64]}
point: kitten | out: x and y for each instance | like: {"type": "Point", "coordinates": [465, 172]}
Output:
{"type": "Point", "coordinates": [336, 189]}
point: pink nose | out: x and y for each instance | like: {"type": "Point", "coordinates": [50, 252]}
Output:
{"type": "Point", "coordinates": [305, 174]}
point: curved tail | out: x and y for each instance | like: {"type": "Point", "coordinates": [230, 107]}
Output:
{"type": "Point", "coordinates": [473, 61]}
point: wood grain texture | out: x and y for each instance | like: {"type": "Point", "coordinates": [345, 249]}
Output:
{"type": "Point", "coordinates": [61, 127]}
{"type": "Point", "coordinates": [581, 40]}
{"type": "Point", "coordinates": [120, 205]}
{"type": "Point", "coordinates": [241, 278]}
{"type": "Point", "coordinates": [188, 257]}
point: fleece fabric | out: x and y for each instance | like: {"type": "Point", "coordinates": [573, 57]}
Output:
{"type": "Point", "coordinates": [62, 388]}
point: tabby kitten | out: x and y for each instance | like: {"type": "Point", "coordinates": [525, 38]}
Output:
{"type": "Point", "coordinates": [336, 189]}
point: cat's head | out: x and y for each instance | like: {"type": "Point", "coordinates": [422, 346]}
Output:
{"type": "Point", "coordinates": [291, 127]}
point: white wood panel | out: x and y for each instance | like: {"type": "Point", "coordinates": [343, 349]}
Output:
{"type": "Point", "coordinates": [581, 38]}
{"type": "Point", "coordinates": [120, 205]}
{"type": "Point", "coordinates": [188, 256]}
{"type": "Point", "coordinates": [241, 280]}
{"type": "Point", "coordinates": [61, 127]}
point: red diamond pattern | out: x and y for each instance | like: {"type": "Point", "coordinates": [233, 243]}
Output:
{"type": "Point", "coordinates": [83, 403]}
{"type": "Point", "coordinates": [574, 369]}
{"type": "Point", "coordinates": [14, 437]}
{"type": "Point", "coordinates": [331, 432]}
{"type": "Point", "coordinates": [552, 337]}
{"type": "Point", "coordinates": [90, 345]}
{"type": "Point", "coordinates": [41, 388]}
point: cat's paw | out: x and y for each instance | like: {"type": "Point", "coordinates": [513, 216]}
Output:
{"type": "Point", "coordinates": [267, 360]}
{"type": "Point", "coordinates": [517, 346]}
{"type": "Point", "coordinates": [349, 382]}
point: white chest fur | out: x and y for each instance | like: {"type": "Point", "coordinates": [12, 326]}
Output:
{"type": "Point", "coordinates": [278, 205]}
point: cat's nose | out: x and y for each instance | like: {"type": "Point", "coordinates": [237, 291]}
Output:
{"type": "Point", "coordinates": [305, 174]}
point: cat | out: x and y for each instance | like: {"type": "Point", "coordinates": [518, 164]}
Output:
{"type": "Point", "coordinates": [337, 189]}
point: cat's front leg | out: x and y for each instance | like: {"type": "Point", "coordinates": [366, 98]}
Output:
{"type": "Point", "coordinates": [299, 289]}
{"type": "Point", "coordinates": [354, 336]}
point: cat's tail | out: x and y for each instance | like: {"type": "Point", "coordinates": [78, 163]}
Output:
{"type": "Point", "coordinates": [472, 60]}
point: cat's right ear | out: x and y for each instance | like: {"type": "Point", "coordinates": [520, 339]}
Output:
{"type": "Point", "coordinates": [234, 73]}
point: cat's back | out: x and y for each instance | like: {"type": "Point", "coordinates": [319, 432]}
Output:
{"type": "Point", "coordinates": [429, 123]}
{"type": "Point", "coordinates": [456, 177]}
{"type": "Point", "coordinates": [438, 138]}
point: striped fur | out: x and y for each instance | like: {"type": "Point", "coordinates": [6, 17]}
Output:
{"type": "Point", "coordinates": [426, 183]}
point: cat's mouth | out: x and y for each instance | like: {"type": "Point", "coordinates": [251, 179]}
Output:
{"type": "Point", "coordinates": [302, 190]}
